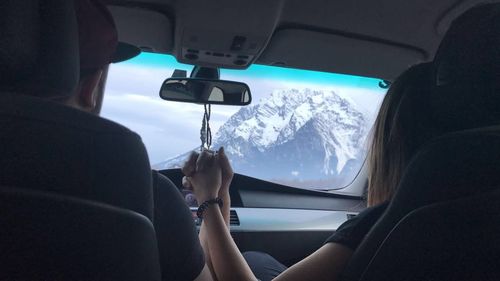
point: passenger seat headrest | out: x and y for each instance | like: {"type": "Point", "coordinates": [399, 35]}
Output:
{"type": "Point", "coordinates": [466, 92]}
{"type": "Point", "coordinates": [39, 47]}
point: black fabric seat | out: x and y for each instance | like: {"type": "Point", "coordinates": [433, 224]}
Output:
{"type": "Point", "coordinates": [457, 166]}
{"type": "Point", "coordinates": [51, 147]}
{"type": "Point", "coordinates": [47, 236]}
{"type": "Point", "coordinates": [457, 170]}
{"type": "Point", "coordinates": [453, 240]}
{"type": "Point", "coordinates": [48, 146]}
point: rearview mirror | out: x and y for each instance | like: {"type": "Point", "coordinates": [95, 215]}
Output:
{"type": "Point", "coordinates": [205, 91]}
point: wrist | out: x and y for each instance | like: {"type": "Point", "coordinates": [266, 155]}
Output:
{"type": "Point", "coordinates": [206, 196]}
{"type": "Point", "coordinates": [208, 204]}
{"type": "Point", "coordinates": [203, 199]}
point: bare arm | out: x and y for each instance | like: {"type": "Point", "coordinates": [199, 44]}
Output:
{"type": "Point", "coordinates": [227, 260]}
{"type": "Point", "coordinates": [227, 176]}
{"type": "Point", "coordinates": [325, 264]}
{"type": "Point", "coordinates": [206, 250]}
{"type": "Point", "coordinates": [189, 169]}
{"type": "Point", "coordinates": [204, 237]}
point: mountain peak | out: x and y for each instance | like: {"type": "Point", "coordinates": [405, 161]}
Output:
{"type": "Point", "coordinates": [300, 134]}
{"type": "Point", "coordinates": [277, 119]}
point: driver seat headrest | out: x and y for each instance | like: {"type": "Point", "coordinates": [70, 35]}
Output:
{"type": "Point", "coordinates": [39, 47]}
{"type": "Point", "coordinates": [466, 90]}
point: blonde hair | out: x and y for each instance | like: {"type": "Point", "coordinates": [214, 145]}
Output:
{"type": "Point", "coordinates": [400, 129]}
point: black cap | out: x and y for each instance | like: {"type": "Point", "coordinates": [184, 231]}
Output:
{"type": "Point", "coordinates": [98, 37]}
{"type": "Point", "coordinates": [125, 51]}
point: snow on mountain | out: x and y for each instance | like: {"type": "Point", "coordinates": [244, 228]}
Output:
{"type": "Point", "coordinates": [294, 135]}
{"type": "Point", "coordinates": [175, 162]}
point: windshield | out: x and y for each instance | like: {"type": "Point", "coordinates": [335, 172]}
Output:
{"type": "Point", "coordinates": [304, 129]}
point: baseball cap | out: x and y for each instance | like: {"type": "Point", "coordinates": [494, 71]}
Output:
{"type": "Point", "coordinates": [98, 37]}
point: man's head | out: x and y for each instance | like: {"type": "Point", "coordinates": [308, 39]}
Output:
{"type": "Point", "coordinates": [99, 46]}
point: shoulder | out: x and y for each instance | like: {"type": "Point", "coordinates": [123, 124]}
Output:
{"type": "Point", "coordinates": [351, 232]}
{"type": "Point", "coordinates": [173, 221]}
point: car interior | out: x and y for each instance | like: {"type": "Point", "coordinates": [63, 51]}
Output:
{"type": "Point", "coordinates": [58, 164]}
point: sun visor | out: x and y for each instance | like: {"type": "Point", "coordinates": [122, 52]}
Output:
{"type": "Point", "coordinates": [305, 49]}
{"type": "Point", "coordinates": [149, 30]}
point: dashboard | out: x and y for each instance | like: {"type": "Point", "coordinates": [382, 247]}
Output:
{"type": "Point", "coordinates": [265, 210]}
{"type": "Point", "coordinates": [274, 231]}
{"type": "Point", "coordinates": [271, 219]}
{"type": "Point", "coordinates": [287, 223]}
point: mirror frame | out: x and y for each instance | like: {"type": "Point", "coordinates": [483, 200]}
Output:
{"type": "Point", "coordinates": [208, 102]}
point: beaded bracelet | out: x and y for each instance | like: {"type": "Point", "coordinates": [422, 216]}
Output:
{"type": "Point", "coordinates": [206, 204]}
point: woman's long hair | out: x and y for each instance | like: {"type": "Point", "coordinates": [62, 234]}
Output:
{"type": "Point", "coordinates": [400, 129]}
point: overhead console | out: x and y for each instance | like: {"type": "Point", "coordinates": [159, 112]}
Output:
{"type": "Point", "coordinates": [225, 33]}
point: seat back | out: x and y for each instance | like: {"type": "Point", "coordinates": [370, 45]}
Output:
{"type": "Point", "coordinates": [53, 237]}
{"type": "Point", "coordinates": [465, 95]}
{"type": "Point", "coordinates": [51, 148]}
{"type": "Point", "coordinates": [453, 240]}
{"type": "Point", "coordinates": [456, 166]}
{"type": "Point", "coordinates": [39, 47]}
{"type": "Point", "coordinates": [48, 146]}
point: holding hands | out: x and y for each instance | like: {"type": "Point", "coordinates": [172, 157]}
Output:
{"type": "Point", "coordinates": [208, 174]}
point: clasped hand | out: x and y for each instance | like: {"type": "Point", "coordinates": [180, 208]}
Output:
{"type": "Point", "coordinates": [208, 174]}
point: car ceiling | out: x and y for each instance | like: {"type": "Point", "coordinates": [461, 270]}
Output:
{"type": "Point", "coordinates": [361, 37]}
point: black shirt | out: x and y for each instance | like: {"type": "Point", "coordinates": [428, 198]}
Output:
{"type": "Point", "coordinates": [181, 255]}
{"type": "Point", "coordinates": [352, 232]}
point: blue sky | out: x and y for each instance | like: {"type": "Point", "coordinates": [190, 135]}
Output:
{"type": "Point", "coordinates": [169, 129]}
{"type": "Point", "coordinates": [265, 72]}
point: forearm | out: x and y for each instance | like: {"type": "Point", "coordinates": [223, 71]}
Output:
{"type": "Point", "coordinates": [227, 260]}
{"type": "Point", "coordinates": [226, 208]}
{"type": "Point", "coordinates": [204, 244]}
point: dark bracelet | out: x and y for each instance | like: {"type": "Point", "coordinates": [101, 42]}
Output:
{"type": "Point", "coordinates": [206, 204]}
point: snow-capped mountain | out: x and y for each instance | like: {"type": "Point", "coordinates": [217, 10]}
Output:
{"type": "Point", "coordinates": [293, 137]}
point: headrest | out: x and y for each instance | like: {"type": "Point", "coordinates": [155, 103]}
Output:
{"type": "Point", "coordinates": [39, 47]}
{"type": "Point", "coordinates": [466, 90]}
